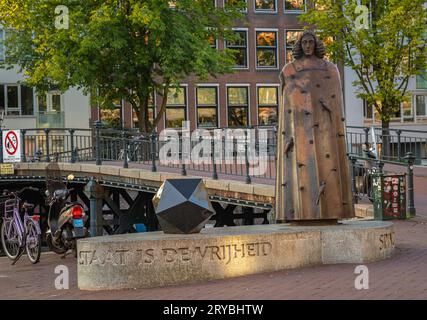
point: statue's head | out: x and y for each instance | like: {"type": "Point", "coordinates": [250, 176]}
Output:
{"type": "Point", "coordinates": [308, 45]}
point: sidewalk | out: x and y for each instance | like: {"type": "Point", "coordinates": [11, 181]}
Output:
{"type": "Point", "coordinates": [402, 277]}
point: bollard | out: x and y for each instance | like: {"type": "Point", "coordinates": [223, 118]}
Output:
{"type": "Point", "coordinates": [248, 177]}
{"type": "Point", "coordinates": [181, 148]}
{"type": "Point", "coordinates": [98, 142]}
{"type": "Point", "coordinates": [23, 158]}
{"type": "Point", "coordinates": [153, 151]}
{"type": "Point", "coordinates": [410, 158]}
{"type": "Point", "coordinates": [214, 172]}
{"type": "Point", "coordinates": [73, 157]}
{"type": "Point", "coordinates": [46, 131]}
{"type": "Point", "coordinates": [125, 150]}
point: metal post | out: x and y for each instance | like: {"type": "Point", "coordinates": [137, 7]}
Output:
{"type": "Point", "coordinates": [367, 138]}
{"type": "Point", "coordinates": [410, 158]}
{"type": "Point", "coordinates": [23, 132]}
{"type": "Point", "coordinates": [125, 150]}
{"type": "Point", "coordinates": [380, 165]}
{"type": "Point", "coordinates": [214, 173]}
{"type": "Point", "coordinates": [248, 177]}
{"type": "Point", "coordinates": [96, 194]}
{"type": "Point", "coordinates": [181, 148]}
{"type": "Point", "coordinates": [398, 132]}
{"type": "Point", "coordinates": [98, 142]}
{"type": "Point", "coordinates": [73, 156]}
{"type": "Point", "coordinates": [353, 180]}
{"type": "Point", "coordinates": [46, 131]}
{"type": "Point", "coordinates": [153, 151]}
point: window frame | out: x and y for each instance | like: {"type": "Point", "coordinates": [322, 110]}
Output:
{"type": "Point", "coordinates": [285, 11]}
{"type": "Point", "coordinates": [19, 93]}
{"type": "Point", "coordinates": [248, 107]}
{"type": "Point", "coordinates": [266, 11]}
{"type": "Point", "coordinates": [286, 42]}
{"type": "Point", "coordinates": [276, 31]}
{"type": "Point", "coordinates": [268, 85]}
{"type": "Point", "coordinates": [154, 106]}
{"type": "Point", "coordinates": [185, 106]}
{"type": "Point", "coordinates": [246, 30]}
{"type": "Point", "coordinates": [217, 106]}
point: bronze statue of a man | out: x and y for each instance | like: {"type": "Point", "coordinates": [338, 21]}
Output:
{"type": "Point", "coordinates": [313, 178]}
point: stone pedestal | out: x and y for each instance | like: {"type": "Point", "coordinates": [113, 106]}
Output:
{"type": "Point", "coordinates": [155, 259]}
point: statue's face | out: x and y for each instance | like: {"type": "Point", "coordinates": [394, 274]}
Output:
{"type": "Point", "coordinates": [308, 45]}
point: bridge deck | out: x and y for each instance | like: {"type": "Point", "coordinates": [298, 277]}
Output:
{"type": "Point", "coordinates": [223, 190]}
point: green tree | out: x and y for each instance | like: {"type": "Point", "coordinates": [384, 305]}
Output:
{"type": "Point", "coordinates": [120, 49]}
{"type": "Point", "coordinates": [385, 55]}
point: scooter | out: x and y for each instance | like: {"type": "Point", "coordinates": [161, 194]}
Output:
{"type": "Point", "coordinates": [66, 222]}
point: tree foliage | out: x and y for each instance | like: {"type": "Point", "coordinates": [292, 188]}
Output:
{"type": "Point", "coordinates": [385, 55]}
{"type": "Point", "coordinates": [120, 49]}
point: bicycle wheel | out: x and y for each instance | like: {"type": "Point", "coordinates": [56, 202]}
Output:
{"type": "Point", "coordinates": [10, 239]}
{"type": "Point", "coordinates": [33, 242]}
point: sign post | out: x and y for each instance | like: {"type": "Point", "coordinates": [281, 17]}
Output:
{"type": "Point", "coordinates": [11, 142]}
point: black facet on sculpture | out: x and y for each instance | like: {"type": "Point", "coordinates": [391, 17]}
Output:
{"type": "Point", "coordinates": [182, 206]}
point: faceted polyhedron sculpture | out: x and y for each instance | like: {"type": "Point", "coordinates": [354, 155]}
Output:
{"type": "Point", "coordinates": [182, 205]}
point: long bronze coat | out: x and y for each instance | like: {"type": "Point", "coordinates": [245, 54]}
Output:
{"type": "Point", "coordinates": [313, 178]}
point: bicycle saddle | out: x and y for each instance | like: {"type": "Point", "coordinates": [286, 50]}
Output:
{"type": "Point", "coordinates": [27, 206]}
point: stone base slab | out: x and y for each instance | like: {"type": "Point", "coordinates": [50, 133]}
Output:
{"type": "Point", "coordinates": [155, 259]}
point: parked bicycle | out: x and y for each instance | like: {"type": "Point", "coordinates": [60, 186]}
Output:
{"type": "Point", "coordinates": [19, 235]}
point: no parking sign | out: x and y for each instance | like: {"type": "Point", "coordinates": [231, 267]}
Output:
{"type": "Point", "coordinates": [11, 141]}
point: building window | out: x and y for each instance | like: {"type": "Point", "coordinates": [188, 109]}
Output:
{"type": "Point", "coordinates": [407, 113]}
{"type": "Point", "coordinates": [294, 6]}
{"type": "Point", "coordinates": [421, 80]}
{"type": "Point", "coordinates": [151, 112]}
{"type": "Point", "coordinates": [367, 111]}
{"type": "Point", "coordinates": [266, 49]}
{"type": "Point", "coordinates": [207, 107]}
{"type": "Point", "coordinates": [240, 47]}
{"type": "Point", "coordinates": [292, 37]}
{"type": "Point", "coordinates": [238, 105]}
{"type": "Point", "coordinates": [421, 105]}
{"type": "Point", "coordinates": [213, 42]}
{"type": "Point", "coordinates": [16, 99]}
{"type": "Point", "coordinates": [176, 109]}
{"type": "Point", "coordinates": [265, 5]}
{"type": "Point", "coordinates": [267, 105]}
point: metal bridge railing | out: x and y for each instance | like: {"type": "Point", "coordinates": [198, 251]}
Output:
{"type": "Point", "coordinates": [392, 144]}
{"type": "Point", "coordinates": [224, 156]}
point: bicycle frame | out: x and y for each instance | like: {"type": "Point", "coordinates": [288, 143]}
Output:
{"type": "Point", "coordinates": [12, 208]}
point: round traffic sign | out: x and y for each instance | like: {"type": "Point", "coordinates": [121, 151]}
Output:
{"type": "Point", "coordinates": [11, 143]}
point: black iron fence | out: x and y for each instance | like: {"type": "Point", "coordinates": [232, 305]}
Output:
{"type": "Point", "coordinates": [249, 153]}
{"type": "Point", "coordinates": [391, 144]}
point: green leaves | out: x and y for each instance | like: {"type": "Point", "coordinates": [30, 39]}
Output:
{"type": "Point", "coordinates": [126, 49]}
{"type": "Point", "coordinates": [385, 55]}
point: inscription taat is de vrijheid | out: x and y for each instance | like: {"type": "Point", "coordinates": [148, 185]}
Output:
{"type": "Point", "coordinates": [147, 256]}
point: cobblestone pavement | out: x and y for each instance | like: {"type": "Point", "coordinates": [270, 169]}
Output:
{"type": "Point", "coordinates": [404, 276]}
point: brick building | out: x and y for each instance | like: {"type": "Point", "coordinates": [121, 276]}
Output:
{"type": "Point", "coordinates": [250, 95]}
